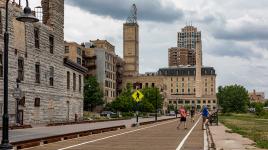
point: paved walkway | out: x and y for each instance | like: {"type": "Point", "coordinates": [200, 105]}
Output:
{"type": "Point", "coordinates": [158, 136]}
{"type": "Point", "coordinates": [230, 141]}
{"type": "Point", "coordinates": [39, 132]}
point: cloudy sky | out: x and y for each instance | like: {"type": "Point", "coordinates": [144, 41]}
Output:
{"type": "Point", "coordinates": [234, 32]}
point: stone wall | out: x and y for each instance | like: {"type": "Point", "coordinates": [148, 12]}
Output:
{"type": "Point", "coordinates": [53, 99]}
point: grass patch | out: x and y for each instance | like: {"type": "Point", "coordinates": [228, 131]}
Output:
{"type": "Point", "coordinates": [249, 126]}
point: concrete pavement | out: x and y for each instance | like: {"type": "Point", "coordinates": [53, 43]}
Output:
{"type": "Point", "coordinates": [230, 141]}
{"type": "Point", "coordinates": [39, 132]}
{"type": "Point", "coordinates": [158, 136]}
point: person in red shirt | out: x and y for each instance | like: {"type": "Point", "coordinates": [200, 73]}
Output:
{"type": "Point", "coordinates": [183, 113]}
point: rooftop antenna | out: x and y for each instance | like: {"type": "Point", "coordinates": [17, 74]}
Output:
{"type": "Point", "coordinates": [132, 18]}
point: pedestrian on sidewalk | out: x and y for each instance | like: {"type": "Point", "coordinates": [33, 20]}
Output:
{"type": "Point", "coordinates": [183, 114]}
{"type": "Point", "coordinates": [192, 113]}
{"type": "Point", "coordinates": [205, 115]}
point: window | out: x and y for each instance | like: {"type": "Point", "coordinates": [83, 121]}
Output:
{"type": "Point", "coordinates": [1, 65]}
{"type": "Point", "coordinates": [37, 72]}
{"type": "Point", "coordinates": [37, 102]}
{"type": "Point", "coordinates": [51, 43]}
{"type": "Point", "coordinates": [36, 38]}
{"type": "Point", "coordinates": [20, 69]}
{"type": "Point", "coordinates": [74, 81]}
{"type": "Point", "coordinates": [79, 61]}
{"type": "Point", "coordinates": [152, 84]}
{"type": "Point", "coordinates": [68, 80]}
{"type": "Point", "coordinates": [51, 76]}
{"type": "Point", "coordinates": [79, 52]}
{"type": "Point", "coordinates": [80, 82]}
{"type": "Point", "coordinates": [66, 49]}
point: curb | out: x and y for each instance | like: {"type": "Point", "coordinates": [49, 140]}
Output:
{"type": "Point", "coordinates": [210, 140]}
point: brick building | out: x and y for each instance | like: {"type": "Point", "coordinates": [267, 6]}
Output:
{"type": "Point", "coordinates": [36, 57]}
{"type": "Point", "coordinates": [181, 56]}
{"type": "Point", "coordinates": [258, 97]}
{"type": "Point", "coordinates": [74, 51]}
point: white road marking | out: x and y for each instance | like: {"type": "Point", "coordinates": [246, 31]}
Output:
{"type": "Point", "coordinates": [205, 140]}
{"type": "Point", "coordinates": [115, 135]}
{"type": "Point", "coordinates": [185, 138]}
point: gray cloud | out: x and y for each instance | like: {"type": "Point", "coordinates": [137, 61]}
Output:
{"type": "Point", "coordinates": [232, 49]}
{"type": "Point", "coordinates": [120, 9]}
{"type": "Point", "coordinates": [245, 31]}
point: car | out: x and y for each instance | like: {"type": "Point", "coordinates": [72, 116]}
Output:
{"type": "Point", "coordinates": [172, 113]}
{"type": "Point", "coordinates": [108, 114]}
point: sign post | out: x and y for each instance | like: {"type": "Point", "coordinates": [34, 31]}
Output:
{"type": "Point", "coordinates": [137, 95]}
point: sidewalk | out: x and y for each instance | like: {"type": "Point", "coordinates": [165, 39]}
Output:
{"type": "Point", "coordinates": [230, 141]}
{"type": "Point", "coordinates": [41, 131]}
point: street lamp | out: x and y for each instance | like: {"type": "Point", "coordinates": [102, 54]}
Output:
{"type": "Point", "coordinates": [155, 104]}
{"type": "Point", "coordinates": [25, 17]}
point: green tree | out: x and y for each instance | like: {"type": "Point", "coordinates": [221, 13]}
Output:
{"type": "Point", "coordinates": [171, 107]}
{"type": "Point", "coordinates": [93, 95]}
{"type": "Point", "coordinates": [153, 96]}
{"type": "Point", "coordinates": [124, 102]}
{"type": "Point", "coordinates": [259, 110]}
{"type": "Point", "coordinates": [266, 103]}
{"type": "Point", "coordinates": [233, 98]}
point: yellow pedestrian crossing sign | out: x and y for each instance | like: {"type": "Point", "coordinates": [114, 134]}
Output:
{"type": "Point", "coordinates": [137, 95]}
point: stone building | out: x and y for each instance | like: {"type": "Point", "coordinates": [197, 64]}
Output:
{"type": "Point", "coordinates": [258, 97]}
{"type": "Point", "coordinates": [131, 44]}
{"type": "Point", "coordinates": [178, 85]}
{"type": "Point", "coordinates": [105, 65]}
{"type": "Point", "coordinates": [74, 51]}
{"type": "Point", "coordinates": [36, 57]}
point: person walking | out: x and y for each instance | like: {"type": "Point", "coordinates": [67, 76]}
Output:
{"type": "Point", "coordinates": [183, 114]}
{"type": "Point", "coordinates": [205, 115]}
{"type": "Point", "coordinates": [192, 114]}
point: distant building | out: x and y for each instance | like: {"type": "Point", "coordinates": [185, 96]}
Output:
{"type": "Point", "coordinates": [100, 55]}
{"type": "Point", "coordinates": [258, 97]}
{"type": "Point", "coordinates": [73, 51]}
{"type": "Point", "coordinates": [181, 85]}
{"type": "Point", "coordinates": [120, 63]}
{"type": "Point", "coordinates": [184, 53]}
{"type": "Point", "coordinates": [181, 56]}
{"type": "Point", "coordinates": [188, 37]}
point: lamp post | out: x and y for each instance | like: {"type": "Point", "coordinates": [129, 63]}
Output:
{"type": "Point", "coordinates": [25, 17]}
{"type": "Point", "coordinates": [155, 104]}
{"type": "Point", "coordinates": [17, 95]}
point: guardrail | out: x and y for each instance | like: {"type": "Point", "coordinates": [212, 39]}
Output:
{"type": "Point", "coordinates": [214, 118]}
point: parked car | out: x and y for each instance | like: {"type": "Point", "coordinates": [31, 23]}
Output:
{"type": "Point", "coordinates": [108, 114]}
{"type": "Point", "coordinates": [172, 113]}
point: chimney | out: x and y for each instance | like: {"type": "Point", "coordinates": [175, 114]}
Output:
{"type": "Point", "coordinates": [198, 77]}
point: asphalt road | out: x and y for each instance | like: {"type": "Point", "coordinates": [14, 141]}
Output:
{"type": "Point", "coordinates": [158, 136]}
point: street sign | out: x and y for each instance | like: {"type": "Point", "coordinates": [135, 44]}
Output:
{"type": "Point", "coordinates": [17, 94]}
{"type": "Point", "coordinates": [137, 95]}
